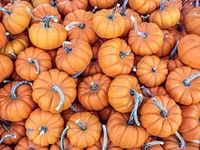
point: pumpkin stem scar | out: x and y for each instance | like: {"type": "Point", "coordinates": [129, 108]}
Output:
{"type": "Point", "coordinates": [153, 143]}
{"type": "Point", "coordinates": [165, 35]}
{"type": "Point", "coordinates": [70, 26]}
{"type": "Point", "coordinates": [77, 74]}
{"type": "Point", "coordinates": [122, 13]}
{"type": "Point", "coordinates": [43, 129]}
{"type": "Point", "coordinates": [182, 141]}
{"type": "Point", "coordinates": [56, 88]}
{"type": "Point", "coordinates": [171, 56]}
{"type": "Point", "coordinates": [13, 95]}
{"type": "Point", "coordinates": [105, 138]}
{"type": "Point", "coordinates": [5, 11]}
{"type": "Point", "coordinates": [187, 81]}
{"type": "Point", "coordinates": [124, 54]}
{"type": "Point", "coordinates": [141, 34]}
{"type": "Point", "coordinates": [62, 146]}
{"type": "Point", "coordinates": [73, 108]}
{"type": "Point", "coordinates": [34, 61]}
{"type": "Point", "coordinates": [7, 136]}
{"type": "Point", "coordinates": [162, 4]}
{"type": "Point", "coordinates": [83, 127]}
{"type": "Point", "coordinates": [164, 112]}
{"type": "Point", "coordinates": [138, 100]}
{"type": "Point", "coordinates": [146, 91]}
{"type": "Point", "coordinates": [113, 12]}
{"type": "Point", "coordinates": [154, 69]}
{"type": "Point", "coordinates": [12, 54]}
{"type": "Point", "coordinates": [67, 49]}
{"type": "Point", "coordinates": [94, 86]}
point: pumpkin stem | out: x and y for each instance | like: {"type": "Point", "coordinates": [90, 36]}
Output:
{"type": "Point", "coordinates": [9, 36]}
{"type": "Point", "coordinates": [153, 143]}
{"type": "Point", "coordinates": [62, 141]}
{"type": "Point", "coordinates": [122, 13]}
{"type": "Point", "coordinates": [7, 136]}
{"type": "Point", "coordinates": [31, 14]}
{"type": "Point", "coordinates": [5, 11]}
{"type": "Point", "coordinates": [5, 124]}
{"type": "Point", "coordinates": [124, 54]}
{"type": "Point", "coordinates": [163, 112]}
{"type": "Point", "coordinates": [134, 68]}
{"type": "Point", "coordinates": [94, 9]}
{"type": "Point", "coordinates": [141, 34]}
{"type": "Point", "coordinates": [196, 141]}
{"type": "Point", "coordinates": [70, 26]}
{"type": "Point", "coordinates": [173, 51]}
{"type": "Point", "coordinates": [182, 141]}
{"type": "Point", "coordinates": [67, 49]}
{"type": "Point", "coordinates": [54, 4]}
{"type": "Point", "coordinates": [43, 129]}
{"type": "Point", "coordinates": [6, 81]}
{"type": "Point", "coordinates": [134, 115]}
{"type": "Point", "coordinates": [146, 91]}
{"type": "Point", "coordinates": [145, 17]}
{"type": "Point", "coordinates": [83, 127]}
{"type": "Point", "coordinates": [34, 61]}
{"type": "Point", "coordinates": [94, 86]}
{"type": "Point", "coordinates": [187, 81]}
{"type": "Point", "coordinates": [12, 54]}
{"type": "Point", "coordinates": [13, 95]}
{"type": "Point", "coordinates": [113, 12]}
{"type": "Point", "coordinates": [48, 19]}
{"type": "Point", "coordinates": [154, 69]}
{"type": "Point", "coordinates": [77, 74]}
{"type": "Point", "coordinates": [165, 35]}
{"type": "Point", "coordinates": [162, 4]}
{"type": "Point", "coordinates": [56, 88]}
{"type": "Point", "coordinates": [184, 2]}
{"type": "Point", "coordinates": [73, 108]}
{"type": "Point", "coordinates": [105, 138]}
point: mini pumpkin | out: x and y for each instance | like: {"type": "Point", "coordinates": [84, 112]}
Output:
{"type": "Point", "coordinates": [178, 31]}
{"type": "Point", "coordinates": [106, 113]}
{"type": "Point", "coordinates": [173, 3]}
{"type": "Point", "coordinates": [102, 4]}
{"type": "Point", "coordinates": [2, 35]}
{"type": "Point", "coordinates": [35, 3]}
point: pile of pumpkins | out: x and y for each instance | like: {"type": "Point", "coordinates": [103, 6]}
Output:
{"type": "Point", "coordinates": [99, 74]}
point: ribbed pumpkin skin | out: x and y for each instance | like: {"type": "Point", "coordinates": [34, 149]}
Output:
{"type": "Point", "coordinates": [18, 20]}
{"type": "Point", "coordinates": [111, 63]}
{"type": "Point", "coordinates": [67, 6]}
{"type": "Point", "coordinates": [149, 45]}
{"type": "Point", "coordinates": [108, 28]}
{"type": "Point", "coordinates": [102, 3]}
{"type": "Point", "coordinates": [28, 71]}
{"type": "Point", "coordinates": [18, 44]}
{"type": "Point", "coordinates": [48, 99]}
{"type": "Point", "coordinates": [188, 53]}
{"type": "Point", "coordinates": [190, 127]}
{"type": "Point", "coordinates": [119, 93]}
{"type": "Point", "coordinates": [44, 10]}
{"type": "Point", "coordinates": [42, 36]}
{"type": "Point", "coordinates": [75, 61]}
{"type": "Point", "coordinates": [154, 123]}
{"type": "Point", "coordinates": [166, 18]}
{"type": "Point", "coordinates": [3, 37]}
{"type": "Point", "coordinates": [39, 118]}
{"type": "Point", "coordinates": [25, 143]}
{"type": "Point", "coordinates": [22, 106]}
{"type": "Point", "coordinates": [77, 136]}
{"type": "Point", "coordinates": [6, 67]}
{"type": "Point", "coordinates": [192, 20]}
{"type": "Point", "coordinates": [35, 3]}
{"type": "Point", "coordinates": [94, 99]}
{"type": "Point", "coordinates": [120, 132]}
{"type": "Point", "coordinates": [5, 147]}
{"type": "Point", "coordinates": [147, 75]}
{"type": "Point", "coordinates": [185, 95]}
{"type": "Point", "coordinates": [173, 3]}
{"type": "Point", "coordinates": [86, 34]}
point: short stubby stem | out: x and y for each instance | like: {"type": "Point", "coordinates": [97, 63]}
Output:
{"type": "Point", "coordinates": [146, 91]}
{"type": "Point", "coordinates": [56, 88]}
{"type": "Point", "coordinates": [67, 49]}
{"type": "Point", "coordinates": [70, 26]}
{"type": "Point", "coordinates": [113, 12]}
{"type": "Point", "coordinates": [122, 55]}
{"type": "Point", "coordinates": [7, 136]}
{"type": "Point", "coordinates": [12, 54]}
{"type": "Point", "coordinates": [82, 126]}
{"type": "Point", "coordinates": [163, 112]}
{"type": "Point", "coordinates": [62, 144]}
{"type": "Point", "coordinates": [43, 130]}
{"type": "Point", "coordinates": [105, 138]}
{"type": "Point", "coordinates": [182, 141]}
{"type": "Point", "coordinates": [34, 61]}
{"type": "Point", "coordinates": [94, 87]}
{"type": "Point", "coordinates": [187, 81]}
{"type": "Point", "coordinates": [153, 143]}
{"type": "Point", "coordinates": [153, 69]}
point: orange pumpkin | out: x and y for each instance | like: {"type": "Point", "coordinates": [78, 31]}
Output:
{"type": "Point", "coordinates": [182, 84]}
{"type": "Point", "coordinates": [173, 3]}
{"type": "Point", "coordinates": [84, 129]}
{"type": "Point", "coordinates": [36, 3]}
{"type": "Point", "coordinates": [161, 110]}
{"type": "Point", "coordinates": [190, 127]}
{"type": "Point", "coordinates": [146, 38]}
{"type": "Point", "coordinates": [54, 91]}
{"type": "Point", "coordinates": [6, 67]}
{"type": "Point", "coordinates": [2, 35]}
{"type": "Point", "coordinates": [67, 6]}
{"type": "Point", "coordinates": [32, 62]}
{"type": "Point", "coordinates": [5, 147]}
{"type": "Point", "coordinates": [102, 4]}
{"type": "Point", "coordinates": [185, 10]}
{"type": "Point", "coordinates": [118, 60]}
{"type": "Point", "coordinates": [43, 127]}
{"type": "Point", "coordinates": [151, 71]}
{"type": "Point", "coordinates": [16, 96]}
{"type": "Point", "coordinates": [108, 24]}
{"type": "Point", "coordinates": [120, 96]}
{"type": "Point", "coordinates": [178, 31]}
{"type": "Point", "coordinates": [106, 113]}
{"type": "Point", "coordinates": [25, 143]}
{"type": "Point", "coordinates": [74, 56]}
{"type": "Point", "coordinates": [79, 26]}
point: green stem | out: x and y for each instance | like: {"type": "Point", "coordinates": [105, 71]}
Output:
{"type": "Point", "coordinates": [70, 26]}
{"type": "Point", "coordinates": [153, 143]}
{"type": "Point", "coordinates": [62, 140]}
{"type": "Point", "coordinates": [56, 88]}
{"type": "Point", "coordinates": [67, 49]}
{"type": "Point", "coordinates": [7, 136]}
{"type": "Point", "coordinates": [122, 55]}
{"type": "Point", "coordinates": [43, 129]}
{"type": "Point", "coordinates": [124, 8]}
{"type": "Point", "coordinates": [105, 137]}
{"type": "Point", "coordinates": [173, 51]}
{"type": "Point", "coordinates": [182, 141]}
{"type": "Point", "coordinates": [94, 87]}
{"type": "Point", "coordinates": [34, 61]}
{"type": "Point", "coordinates": [113, 12]}
{"type": "Point", "coordinates": [146, 91]}
{"type": "Point", "coordinates": [162, 4]}
{"type": "Point", "coordinates": [5, 11]}
{"type": "Point", "coordinates": [187, 81]}
{"type": "Point", "coordinates": [83, 127]}
{"type": "Point", "coordinates": [13, 95]}
{"type": "Point", "coordinates": [164, 112]}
